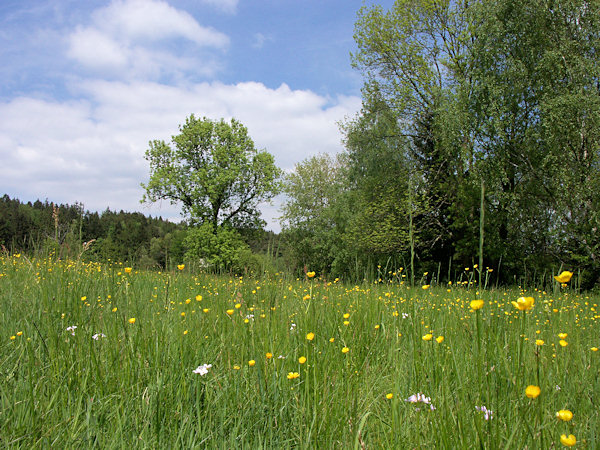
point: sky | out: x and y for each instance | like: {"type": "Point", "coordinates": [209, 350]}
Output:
{"type": "Point", "coordinates": [85, 85]}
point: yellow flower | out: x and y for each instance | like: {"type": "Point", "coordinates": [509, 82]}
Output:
{"type": "Point", "coordinates": [310, 336]}
{"type": "Point", "coordinates": [563, 343]}
{"type": "Point", "coordinates": [310, 274]}
{"type": "Point", "coordinates": [425, 287]}
{"type": "Point", "coordinates": [269, 355]}
{"type": "Point", "coordinates": [12, 338]}
{"type": "Point", "coordinates": [302, 359]}
{"type": "Point", "coordinates": [205, 310]}
{"type": "Point", "coordinates": [198, 298]}
{"type": "Point", "coordinates": [236, 367]}
{"type": "Point", "coordinates": [346, 322]}
{"type": "Point", "coordinates": [389, 396]}
{"type": "Point", "coordinates": [564, 277]}
{"type": "Point", "coordinates": [292, 375]}
{"type": "Point", "coordinates": [183, 314]}
{"type": "Point", "coordinates": [345, 350]}
{"type": "Point", "coordinates": [565, 415]}
{"type": "Point", "coordinates": [476, 304]}
{"type": "Point", "coordinates": [532, 391]}
{"type": "Point", "coordinates": [568, 441]}
{"type": "Point", "coordinates": [229, 312]}
{"type": "Point", "coordinates": [333, 339]}
{"type": "Point", "coordinates": [127, 269]}
{"type": "Point", "coordinates": [251, 362]}
{"type": "Point", "coordinates": [114, 309]}
{"type": "Point", "coordinates": [19, 333]}
{"type": "Point", "coordinates": [427, 337]}
{"type": "Point", "coordinates": [346, 316]}
{"type": "Point", "coordinates": [594, 349]}
{"type": "Point", "coordinates": [439, 339]}
{"type": "Point", "coordinates": [132, 320]}
{"type": "Point", "coordinates": [562, 335]}
{"type": "Point", "coordinates": [181, 266]}
{"type": "Point", "coordinates": [524, 303]}
{"type": "Point", "coordinates": [306, 297]}
{"type": "Point", "coordinates": [188, 301]}
{"type": "Point", "coordinates": [539, 342]}
{"type": "Point", "coordinates": [185, 332]}
{"type": "Point", "coordinates": [377, 327]}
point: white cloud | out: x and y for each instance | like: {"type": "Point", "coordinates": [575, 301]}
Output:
{"type": "Point", "coordinates": [125, 39]}
{"type": "Point", "coordinates": [92, 150]}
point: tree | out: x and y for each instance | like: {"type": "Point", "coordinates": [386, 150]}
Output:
{"type": "Point", "coordinates": [214, 171]}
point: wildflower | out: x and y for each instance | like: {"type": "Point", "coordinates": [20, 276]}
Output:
{"type": "Point", "coordinates": [114, 309]}
{"type": "Point", "coordinates": [205, 310]}
{"type": "Point", "coordinates": [203, 369]}
{"type": "Point", "coordinates": [128, 269]}
{"type": "Point", "coordinates": [238, 305]}
{"type": "Point", "coordinates": [532, 391]}
{"type": "Point", "coordinates": [269, 355]}
{"type": "Point", "coordinates": [310, 336]}
{"type": "Point", "coordinates": [97, 336]}
{"type": "Point", "coordinates": [293, 327]}
{"type": "Point", "coordinates": [292, 375]}
{"type": "Point", "coordinates": [132, 320]}
{"type": "Point", "coordinates": [19, 333]}
{"type": "Point", "coordinates": [524, 303]}
{"type": "Point", "coordinates": [346, 322]}
{"type": "Point", "coordinates": [405, 315]}
{"type": "Point", "coordinates": [427, 337]}
{"type": "Point", "coordinates": [229, 312]}
{"type": "Point", "coordinates": [185, 332]}
{"type": "Point", "coordinates": [188, 301]}
{"type": "Point", "coordinates": [425, 287]}
{"type": "Point", "coordinates": [564, 277]}
{"type": "Point", "coordinates": [181, 266]}
{"type": "Point", "coordinates": [302, 359]}
{"type": "Point", "coordinates": [420, 398]}
{"type": "Point", "coordinates": [281, 357]}
{"type": "Point", "coordinates": [183, 314]}
{"type": "Point", "coordinates": [198, 298]}
{"type": "Point", "coordinates": [306, 297]}
{"type": "Point", "coordinates": [539, 342]}
{"type": "Point", "coordinates": [487, 414]}
{"type": "Point", "coordinates": [72, 329]}
{"type": "Point", "coordinates": [568, 441]}
{"type": "Point", "coordinates": [389, 396]}
{"type": "Point", "coordinates": [564, 414]}
{"type": "Point", "coordinates": [439, 339]}
{"type": "Point", "coordinates": [346, 316]}
{"type": "Point", "coordinates": [251, 363]}
{"type": "Point", "coordinates": [310, 274]}
{"type": "Point", "coordinates": [333, 339]}
{"type": "Point", "coordinates": [476, 304]}
{"type": "Point", "coordinates": [236, 367]}
{"type": "Point", "coordinates": [562, 335]}
{"type": "Point", "coordinates": [345, 350]}
{"type": "Point", "coordinates": [12, 338]}
{"type": "Point", "coordinates": [594, 349]}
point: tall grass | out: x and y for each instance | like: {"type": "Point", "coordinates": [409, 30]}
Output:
{"type": "Point", "coordinates": [137, 387]}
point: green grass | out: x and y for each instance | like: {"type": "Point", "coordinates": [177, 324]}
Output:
{"type": "Point", "coordinates": [136, 387]}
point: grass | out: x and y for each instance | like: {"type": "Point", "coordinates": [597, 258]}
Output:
{"type": "Point", "coordinates": [136, 387]}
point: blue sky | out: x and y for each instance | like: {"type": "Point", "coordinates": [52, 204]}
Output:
{"type": "Point", "coordinates": [85, 85]}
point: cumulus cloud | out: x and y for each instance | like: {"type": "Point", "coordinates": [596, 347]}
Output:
{"type": "Point", "coordinates": [92, 150]}
{"type": "Point", "coordinates": [133, 38]}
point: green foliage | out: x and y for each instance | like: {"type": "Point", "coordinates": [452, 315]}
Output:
{"type": "Point", "coordinates": [223, 250]}
{"type": "Point", "coordinates": [214, 171]}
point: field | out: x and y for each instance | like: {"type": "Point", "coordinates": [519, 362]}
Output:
{"type": "Point", "coordinates": [110, 357]}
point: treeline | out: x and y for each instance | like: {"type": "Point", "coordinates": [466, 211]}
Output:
{"type": "Point", "coordinates": [70, 231]}
{"type": "Point", "coordinates": [477, 144]}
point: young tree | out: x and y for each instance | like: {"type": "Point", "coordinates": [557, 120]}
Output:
{"type": "Point", "coordinates": [214, 171]}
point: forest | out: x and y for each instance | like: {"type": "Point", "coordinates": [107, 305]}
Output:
{"type": "Point", "coordinates": [476, 149]}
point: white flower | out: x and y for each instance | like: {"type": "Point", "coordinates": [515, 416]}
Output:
{"type": "Point", "coordinates": [281, 357]}
{"type": "Point", "coordinates": [203, 369]}
{"type": "Point", "coordinates": [404, 315]}
{"type": "Point", "coordinates": [487, 414]}
{"type": "Point", "coordinates": [72, 329]}
{"type": "Point", "coordinates": [250, 317]}
{"type": "Point", "coordinates": [98, 336]}
{"type": "Point", "coordinates": [293, 327]}
{"type": "Point", "coordinates": [420, 398]}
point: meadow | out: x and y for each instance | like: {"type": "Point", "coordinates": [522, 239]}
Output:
{"type": "Point", "coordinates": [106, 356]}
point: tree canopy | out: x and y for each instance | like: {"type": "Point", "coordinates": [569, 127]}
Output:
{"type": "Point", "coordinates": [214, 171]}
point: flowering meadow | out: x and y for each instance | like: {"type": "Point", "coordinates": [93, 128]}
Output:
{"type": "Point", "coordinates": [108, 356]}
